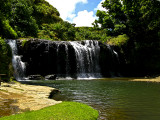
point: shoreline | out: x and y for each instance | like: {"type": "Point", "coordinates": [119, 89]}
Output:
{"type": "Point", "coordinates": [156, 79]}
{"type": "Point", "coordinates": [21, 97]}
{"type": "Point", "coordinates": [143, 79]}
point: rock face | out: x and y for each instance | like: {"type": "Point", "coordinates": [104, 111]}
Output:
{"type": "Point", "coordinates": [77, 59]}
{"type": "Point", "coordinates": [110, 62]}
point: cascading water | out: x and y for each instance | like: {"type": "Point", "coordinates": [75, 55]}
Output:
{"type": "Point", "coordinates": [59, 58]}
{"type": "Point", "coordinates": [87, 57]}
{"type": "Point", "coordinates": [67, 61]}
{"type": "Point", "coordinates": [114, 62]}
{"type": "Point", "coordinates": [75, 59]}
{"type": "Point", "coordinates": [18, 65]}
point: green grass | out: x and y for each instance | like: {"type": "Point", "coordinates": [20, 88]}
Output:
{"type": "Point", "coordinates": [62, 111]}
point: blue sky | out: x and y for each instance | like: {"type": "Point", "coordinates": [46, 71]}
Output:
{"type": "Point", "coordinates": [89, 6]}
{"type": "Point", "coordinates": [80, 12]}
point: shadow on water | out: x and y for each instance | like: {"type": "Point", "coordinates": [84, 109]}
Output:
{"type": "Point", "coordinates": [115, 99]}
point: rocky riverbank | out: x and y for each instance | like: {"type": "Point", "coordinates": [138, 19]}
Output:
{"type": "Point", "coordinates": [16, 97]}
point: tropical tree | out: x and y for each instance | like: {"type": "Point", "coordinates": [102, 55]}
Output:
{"type": "Point", "coordinates": [57, 31]}
{"type": "Point", "coordinates": [5, 11]}
{"type": "Point", "coordinates": [44, 13]}
{"type": "Point", "coordinates": [140, 20]}
{"type": "Point", "coordinates": [22, 19]}
{"type": "Point", "coordinates": [136, 18]}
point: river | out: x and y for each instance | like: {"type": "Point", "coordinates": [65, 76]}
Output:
{"type": "Point", "coordinates": [114, 99]}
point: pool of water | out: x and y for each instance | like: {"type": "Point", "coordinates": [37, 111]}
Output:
{"type": "Point", "coordinates": [114, 99]}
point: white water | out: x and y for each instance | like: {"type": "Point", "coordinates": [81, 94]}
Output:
{"type": "Point", "coordinates": [67, 61]}
{"type": "Point", "coordinates": [18, 65]}
{"type": "Point", "coordinates": [87, 57]}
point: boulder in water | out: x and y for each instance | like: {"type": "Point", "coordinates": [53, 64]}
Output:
{"type": "Point", "coordinates": [51, 77]}
{"type": "Point", "coordinates": [35, 77]}
{"type": "Point", "coordinates": [54, 93]}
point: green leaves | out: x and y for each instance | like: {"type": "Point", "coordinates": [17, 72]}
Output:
{"type": "Point", "coordinates": [45, 13]}
{"type": "Point", "coordinates": [5, 29]}
{"type": "Point", "coordinates": [22, 20]}
{"type": "Point", "coordinates": [5, 58]}
{"type": "Point", "coordinates": [113, 17]}
{"type": "Point", "coordinates": [135, 18]}
{"type": "Point", "coordinates": [57, 31]}
{"type": "Point", "coordinates": [119, 40]}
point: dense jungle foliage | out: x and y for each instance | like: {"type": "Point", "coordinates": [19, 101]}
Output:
{"type": "Point", "coordinates": [140, 21]}
{"type": "Point", "coordinates": [133, 26]}
{"type": "Point", "coordinates": [37, 18]}
{"type": "Point", "coordinates": [5, 60]}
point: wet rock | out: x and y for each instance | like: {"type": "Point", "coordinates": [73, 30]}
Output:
{"type": "Point", "coordinates": [35, 77]}
{"type": "Point", "coordinates": [63, 58]}
{"type": "Point", "coordinates": [51, 77]}
{"type": "Point", "coordinates": [54, 93]}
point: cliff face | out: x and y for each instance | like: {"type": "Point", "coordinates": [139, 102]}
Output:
{"type": "Point", "coordinates": [46, 57]}
{"type": "Point", "coordinates": [74, 59]}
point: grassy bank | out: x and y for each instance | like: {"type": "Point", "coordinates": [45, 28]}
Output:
{"type": "Point", "coordinates": [62, 111]}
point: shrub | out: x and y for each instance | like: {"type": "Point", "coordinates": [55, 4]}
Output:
{"type": "Point", "coordinates": [5, 59]}
{"type": "Point", "coordinates": [24, 42]}
{"type": "Point", "coordinates": [119, 40]}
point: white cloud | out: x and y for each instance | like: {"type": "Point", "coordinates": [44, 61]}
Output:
{"type": "Point", "coordinates": [66, 7]}
{"type": "Point", "coordinates": [99, 7]}
{"type": "Point", "coordinates": [84, 18]}
{"type": "Point", "coordinates": [71, 16]}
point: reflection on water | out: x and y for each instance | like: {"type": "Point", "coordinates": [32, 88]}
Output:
{"type": "Point", "coordinates": [114, 99]}
{"type": "Point", "coordinates": [6, 107]}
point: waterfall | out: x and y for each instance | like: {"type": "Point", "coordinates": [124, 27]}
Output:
{"type": "Point", "coordinates": [114, 62]}
{"type": "Point", "coordinates": [60, 59]}
{"type": "Point", "coordinates": [87, 57]}
{"type": "Point", "coordinates": [18, 65]}
{"type": "Point", "coordinates": [67, 61]}
{"type": "Point", "coordinates": [74, 59]}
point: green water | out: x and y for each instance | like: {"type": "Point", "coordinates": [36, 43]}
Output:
{"type": "Point", "coordinates": [114, 99]}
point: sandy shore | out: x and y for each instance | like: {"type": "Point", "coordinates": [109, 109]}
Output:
{"type": "Point", "coordinates": [157, 79]}
{"type": "Point", "coordinates": [26, 97]}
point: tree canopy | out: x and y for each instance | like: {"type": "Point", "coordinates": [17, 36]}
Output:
{"type": "Point", "coordinates": [139, 19]}
{"type": "Point", "coordinates": [22, 18]}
